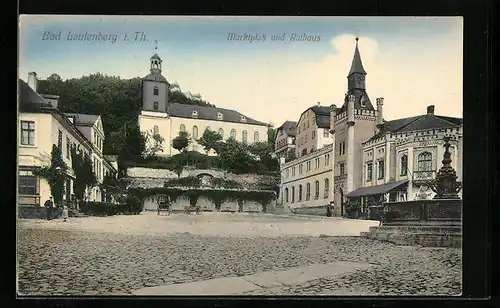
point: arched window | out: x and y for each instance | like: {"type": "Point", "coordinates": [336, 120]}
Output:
{"type": "Point", "coordinates": [182, 128]}
{"type": "Point", "coordinates": [424, 162]}
{"type": "Point", "coordinates": [404, 165]}
{"type": "Point", "coordinates": [286, 195]}
{"type": "Point", "coordinates": [244, 136]}
{"type": "Point", "coordinates": [327, 188]}
{"type": "Point", "coordinates": [233, 133]}
{"type": "Point", "coordinates": [195, 132]}
{"type": "Point", "coordinates": [300, 193]}
{"type": "Point", "coordinates": [316, 190]}
{"type": "Point", "coordinates": [221, 133]}
{"type": "Point", "coordinates": [293, 194]}
{"type": "Point", "coordinates": [308, 191]}
{"type": "Point", "coordinates": [155, 90]}
{"type": "Point", "coordinates": [256, 137]}
{"type": "Point", "coordinates": [156, 131]}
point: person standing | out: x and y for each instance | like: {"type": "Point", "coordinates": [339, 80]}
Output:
{"type": "Point", "coordinates": [65, 213]}
{"type": "Point", "coordinates": [49, 204]}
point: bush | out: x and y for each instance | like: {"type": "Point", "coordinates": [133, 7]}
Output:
{"type": "Point", "coordinates": [132, 206]}
{"type": "Point", "coordinates": [98, 208]}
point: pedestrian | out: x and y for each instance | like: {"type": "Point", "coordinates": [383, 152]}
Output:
{"type": "Point", "coordinates": [328, 210]}
{"type": "Point", "coordinates": [49, 204]}
{"type": "Point", "coordinates": [65, 213]}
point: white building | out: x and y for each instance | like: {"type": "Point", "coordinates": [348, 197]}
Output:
{"type": "Point", "coordinates": [313, 130]}
{"type": "Point", "coordinates": [41, 125]}
{"type": "Point", "coordinates": [168, 119]}
{"type": "Point", "coordinates": [371, 157]}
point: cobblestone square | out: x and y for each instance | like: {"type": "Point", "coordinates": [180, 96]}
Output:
{"type": "Point", "coordinates": [118, 255]}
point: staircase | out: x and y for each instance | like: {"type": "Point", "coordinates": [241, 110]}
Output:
{"type": "Point", "coordinates": [421, 234]}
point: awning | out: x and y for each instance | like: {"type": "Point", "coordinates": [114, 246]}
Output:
{"type": "Point", "coordinates": [375, 190]}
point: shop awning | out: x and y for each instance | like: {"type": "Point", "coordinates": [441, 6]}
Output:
{"type": "Point", "coordinates": [375, 190]}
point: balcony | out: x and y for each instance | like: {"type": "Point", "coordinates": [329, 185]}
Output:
{"type": "Point", "coordinates": [423, 176]}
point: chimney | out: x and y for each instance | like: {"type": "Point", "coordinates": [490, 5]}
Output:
{"type": "Point", "coordinates": [333, 113]}
{"type": "Point", "coordinates": [380, 111]}
{"type": "Point", "coordinates": [350, 109]}
{"type": "Point", "coordinates": [32, 80]}
{"type": "Point", "coordinates": [319, 104]}
{"type": "Point", "coordinates": [430, 109]}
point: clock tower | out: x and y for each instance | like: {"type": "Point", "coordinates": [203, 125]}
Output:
{"type": "Point", "coordinates": [357, 74]}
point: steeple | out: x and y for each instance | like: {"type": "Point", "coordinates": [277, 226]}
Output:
{"type": "Point", "coordinates": [357, 65]}
{"type": "Point", "coordinates": [155, 61]}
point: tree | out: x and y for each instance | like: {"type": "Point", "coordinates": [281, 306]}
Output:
{"type": "Point", "coordinates": [153, 143]}
{"type": "Point", "coordinates": [54, 174]}
{"type": "Point", "coordinates": [84, 175]}
{"type": "Point", "coordinates": [271, 136]}
{"type": "Point", "coordinates": [291, 155]}
{"type": "Point", "coordinates": [181, 142]}
{"type": "Point", "coordinates": [210, 140]}
{"type": "Point", "coordinates": [235, 157]}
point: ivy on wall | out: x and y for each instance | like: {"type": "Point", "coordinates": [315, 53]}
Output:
{"type": "Point", "coordinates": [54, 174]}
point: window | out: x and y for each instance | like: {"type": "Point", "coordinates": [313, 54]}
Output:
{"type": "Point", "coordinates": [233, 133]}
{"type": "Point", "coordinates": [308, 124]}
{"type": "Point", "coordinates": [244, 136]}
{"type": "Point", "coordinates": [27, 133]}
{"type": "Point", "coordinates": [369, 171]}
{"type": "Point", "coordinates": [156, 131]}
{"type": "Point", "coordinates": [300, 168]}
{"type": "Point", "coordinates": [293, 171]}
{"type": "Point", "coordinates": [424, 162]}
{"type": "Point", "coordinates": [59, 139]}
{"type": "Point", "coordinates": [381, 169]}
{"type": "Point", "coordinates": [313, 134]}
{"type": "Point", "coordinates": [256, 137]}
{"type": "Point", "coordinates": [326, 133]}
{"type": "Point", "coordinates": [300, 193]}
{"type": "Point", "coordinates": [195, 132]}
{"type": "Point", "coordinates": [316, 190]}
{"type": "Point", "coordinates": [68, 147]}
{"type": "Point", "coordinates": [342, 148]}
{"type": "Point", "coordinates": [28, 185]}
{"type": "Point", "coordinates": [342, 168]}
{"type": "Point", "coordinates": [221, 133]}
{"type": "Point", "coordinates": [293, 194]}
{"type": "Point", "coordinates": [182, 128]}
{"type": "Point", "coordinates": [327, 159]}
{"type": "Point", "coordinates": [327, 188]}
{"type": "Point", "coordinates": [286, 195]}
{"type": "Point", "coordinates": [243, 119]}
{"type": "Point", "coordinates": [220, 116]}
{"type": "Point", "coordinates": [404, 165]}
{"type": "Point", "coordinates": [194, 114]}
{"type": "Point", "coordinates": [155, 91]}
{"type": "Point", "coordinates": [308, 191]}
{"type": "Point", "coordinates": [155, 106]}
{"type": "Point", "coordinates": [287, 173]}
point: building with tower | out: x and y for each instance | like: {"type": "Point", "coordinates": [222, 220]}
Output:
{"type": "Point", "coordinates": [161, 116]}
{"type": "Point", "coordinates": [363, 155]}
{"type": "Point", "coordinates": [284, 142]}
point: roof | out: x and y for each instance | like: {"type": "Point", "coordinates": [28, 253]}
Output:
{"type": "Point", "coordinates": [322, 116]}
{"type": "Point", "coordinates": [375, 190]}
{"type": "Point", "coordinates": [360, 96]}
{"type": "Point", "coordinates": [79, 118]}
{"type": "Point", "coordinates": [209, 113]}
{"type": "Point", "coordinates": [417, 123]}
{"type": "Point", "coordinates": [356, 65]}
{"type": "Point", "coordinates": [289, 128]}
{"type": "Point", "coordinates": [155, 56]}
{"type": "Point", "coordinates": [155, 76]}
{"type": "Point", "coordinates": [29, 100]}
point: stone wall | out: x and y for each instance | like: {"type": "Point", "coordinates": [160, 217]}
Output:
{"type": "Point", "coordinates": [316, 211]}
{"type": "Point", "coordinates": [205, 205]}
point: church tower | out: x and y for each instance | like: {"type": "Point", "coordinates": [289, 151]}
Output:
{"type": "Point", "coordinates": [351, 125]}
{"type": "Point", "coordinates": [155, 87]}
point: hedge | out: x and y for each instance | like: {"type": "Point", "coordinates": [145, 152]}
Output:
{"type": "Point", "coordinates": [132, 206]}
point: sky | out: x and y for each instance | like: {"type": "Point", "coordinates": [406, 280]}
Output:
{"type": "Point", "coordinates": [411, 62]}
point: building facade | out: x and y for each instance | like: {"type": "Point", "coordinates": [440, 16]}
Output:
{"type": "Point", "coordinates": [284, 142]}
{"type": "Point", "coordinates": [168, 119]}
{"type": "Point", "coordinates": [370, 157]}
{"type": "Point", "coordinates": [42, 125]}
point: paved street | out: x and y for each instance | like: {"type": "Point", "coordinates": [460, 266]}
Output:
{"type": "Point", "coordinates": [122, 254]}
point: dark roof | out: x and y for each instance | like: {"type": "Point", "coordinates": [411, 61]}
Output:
{"type": "Point", "coordinates": [209, 113]}
{"type": "Point", "coordinates": [357, 65]}
{"type": "Point", "coordinates": [322, 116]}
{"type": "Point", "coordinates": [422, 122]}
{"type": "Point", "coordinates": [359, 95]}
{"type": "Point", "coordinates": [155, 76]}
{"type": "Point", "coordinates": [375, 190]}
{"type": "Point", "coordinates": [289, 128]}
{"type": "Point", "coordinates": [155, 56]}
{"type": "Point", "coordinates": [29, 100]}
{"type": "Point", "coordinates": [79, 118]}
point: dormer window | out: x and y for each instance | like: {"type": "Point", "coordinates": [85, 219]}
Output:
{"type": "Point", "coordinates": [243, 119]}
{"type": "Point", "coordinates": [220, 116]}
{"type": "Point", "coordinates": [194, 114]}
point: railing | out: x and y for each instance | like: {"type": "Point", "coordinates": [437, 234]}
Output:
{"type": "Point", "coordinates": [424, 175]}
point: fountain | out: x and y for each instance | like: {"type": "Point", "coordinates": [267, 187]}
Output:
{"type": "Point", "coordinates": [433, 222]}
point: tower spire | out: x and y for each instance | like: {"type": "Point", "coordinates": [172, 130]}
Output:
{"type": "Point", "coordinates": [357, 65]}
{"type": "Point", "coordinates": [156, 46]}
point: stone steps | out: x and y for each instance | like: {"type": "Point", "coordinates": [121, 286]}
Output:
{"type": "Point", "coordinates": [422, 235]}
